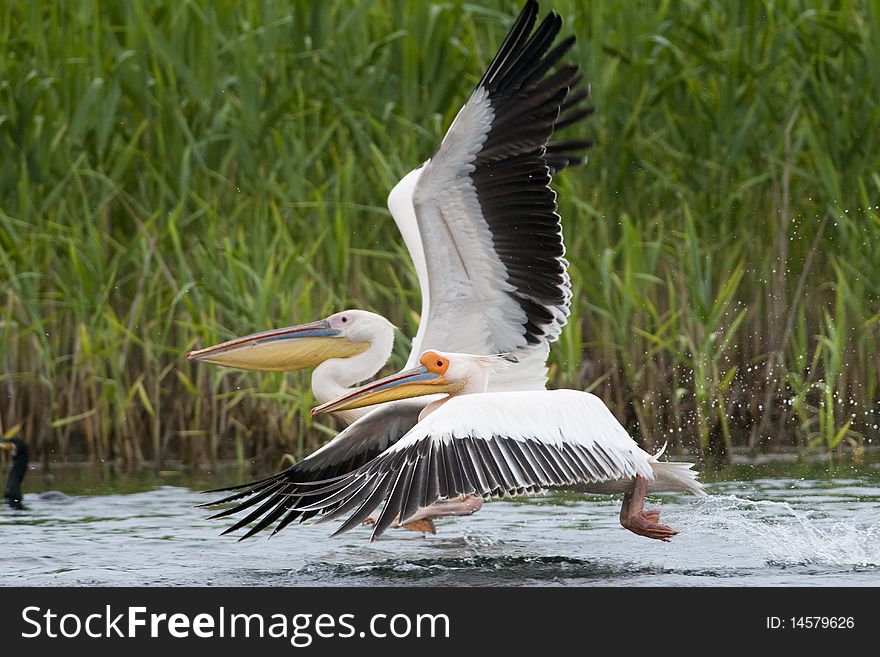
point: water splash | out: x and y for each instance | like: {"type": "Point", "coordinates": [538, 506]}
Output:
{"type": "Point", "coordinates": [784, 535]}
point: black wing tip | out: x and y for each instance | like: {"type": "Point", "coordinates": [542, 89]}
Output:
{"type": "Point", "coordinates": [220, 514]}
{"type": "Point", "coordinates": [567, 154]}
{"type": "Point", "coordinates": [226, 489]}
{"type": "Point", "coordinates": [534, 94]}
{"type": "Point", "coordinates": [530, 7]}
{"type": "Point", "coordinates": [339, 532]}
{"type": "Point", "coordinates": [254, 484]}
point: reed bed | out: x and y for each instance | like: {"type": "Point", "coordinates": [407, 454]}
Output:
{"type": "Point", "coordinates": [173, 174]}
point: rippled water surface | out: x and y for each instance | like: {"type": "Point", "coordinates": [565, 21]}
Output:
{"type": "Point", "coordinates": [758, 527]}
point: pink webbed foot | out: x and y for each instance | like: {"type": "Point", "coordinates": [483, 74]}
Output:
{"type": "Point", "coordinates": [644, 523]}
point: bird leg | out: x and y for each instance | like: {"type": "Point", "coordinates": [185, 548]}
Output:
{"type": "Point", "coordinates": [634, 517]}
{"type": "Point", "coordinates": [423, 519]}
{"type": "Point", "coordinates": [461, 506]}
{"type": "Point", "coordinates": [426, 526]}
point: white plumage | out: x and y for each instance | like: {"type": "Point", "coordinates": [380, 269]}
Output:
{"type": "Point", "coordinates": [495, 445]}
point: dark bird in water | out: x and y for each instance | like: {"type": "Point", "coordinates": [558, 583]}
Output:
{"type": "Point", "coordinates": [20, 459]}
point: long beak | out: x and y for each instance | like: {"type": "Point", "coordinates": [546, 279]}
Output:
{"type": "Point", "coordinates": [282, 350]}
{"type": "Point", "coordinates": [416, 382]}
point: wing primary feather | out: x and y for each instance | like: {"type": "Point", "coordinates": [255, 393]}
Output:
{"type": "Point", "coordinates": [516, 35]}
{"type": "Point", "coordinates": [246, 504]}
{"type": "Point", "coordinates": [481, 482]}
{"type": "Point", "coordinates": [505, 468]}
{"type": "Point", "coordinates": [551, 455]}
{"type": "Point", "coordinates": [454, 468]}
{"type": "Point", "coordinates": [494, 478]}
{"type": "Point", "coordinates": [462, 459]}
{"type": "Point", "coordinates": [251, 484]}
{"type": "Point", "coordinates": [353, 501]}
{"type": "Point", "coordinates": [575, 96]}
{"type": "Point", "coordinates": [393, 503]}
{"type": "Point", "coordinates": [371, 501]}
{"type": "Point", "coordinates": [432, 476]}
{"type": "Point", "coordinates": [291, 515]}
{"type": "Point", "coordinates": [356, 480]}
{"type": "Point", "coordinates": [253, 514]}
{"type": "Point", "coordinates": [530, 54]}
{"type": "Point", "coordinates": [415, 495]}
{"type": "Point", "coordinates": [557, 53]}
{"type": "Point", "coordinates": [574, 464]}
{"type": "Point", "coordinates": [274, 507]}
{"type": "Point", "coordinates": [406, 483]}
{"type": "Point", "coordinates": [444, 477]}
{"type": "Point", "coordinates": [257, 487]}
{"type": "Point", "coordinates": [535, 461]}
{"type": "Point", "coordinates": [530, 474]}
{"type": "Point", "coordinates": [502, 447]}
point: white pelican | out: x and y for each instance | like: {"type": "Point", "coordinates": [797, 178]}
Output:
{"type": "Point", "coordinates": [477, 443]}
{"type": "Point", "coordinates": [494, 277]}
{"type": "Point", "coordinates": [480, 222]}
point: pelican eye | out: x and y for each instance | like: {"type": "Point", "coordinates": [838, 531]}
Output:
{"type": "Point", "coordinates": [344, 319]}
{"type": "Point", "coordinates": [439, 363]}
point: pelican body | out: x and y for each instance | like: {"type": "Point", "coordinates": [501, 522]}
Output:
{"type": "Point", "coordinates": [477, 443]}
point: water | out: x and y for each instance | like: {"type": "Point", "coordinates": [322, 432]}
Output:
{"type": "Point", "coordinates": [786, 524]}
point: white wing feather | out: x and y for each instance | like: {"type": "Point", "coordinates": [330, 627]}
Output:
{"type": "Point", "coordinates": [497, 444]}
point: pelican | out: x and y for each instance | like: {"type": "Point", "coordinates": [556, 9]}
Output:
{"type": "Point", "coordinates": [480, 222]}
{"type": "Point", "coordinates": [473, 443]}
{"type": "Point", "coordinates": [19, 450]}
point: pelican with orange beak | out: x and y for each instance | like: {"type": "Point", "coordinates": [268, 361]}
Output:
{"type": "Point", "coordinates": [473, 443]}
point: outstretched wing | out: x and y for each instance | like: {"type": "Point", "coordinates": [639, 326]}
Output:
{"type": "Point", "coordinates": [479, 218]}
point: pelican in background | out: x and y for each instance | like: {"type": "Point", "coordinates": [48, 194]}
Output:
{"type": "Point", "coordinates": [480, 222]}
{"type": "Point", "coordinates": [476, 443]}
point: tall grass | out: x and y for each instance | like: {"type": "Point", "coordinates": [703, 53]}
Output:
{"type": "Point", "coordinates": [174, 174]}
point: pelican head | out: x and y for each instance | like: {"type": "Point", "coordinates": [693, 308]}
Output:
{"type": "Point", "coordinates": [342, 335]}
{"type": "Point", "coordinates": [438, 372]}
